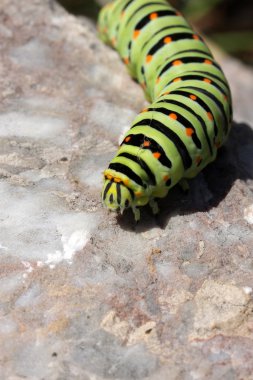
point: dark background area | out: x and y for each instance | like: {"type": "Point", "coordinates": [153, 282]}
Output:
{"type": "Point", "coordinates": [229, 23]}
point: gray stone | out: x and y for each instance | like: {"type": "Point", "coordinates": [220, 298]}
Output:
{"type": "Point", "coordinates": [88, 295]}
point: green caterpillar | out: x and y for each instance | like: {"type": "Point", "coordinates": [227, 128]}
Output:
{"type": "Point", "coordinates": [190, 113]}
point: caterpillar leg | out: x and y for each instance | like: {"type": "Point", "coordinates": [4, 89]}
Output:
{"type": "Point", "coordinates": [154, 206]}
{"type": "Point", "coordinates": [184, 184]}
{"type": "Point", "coordinates": [137, 214]}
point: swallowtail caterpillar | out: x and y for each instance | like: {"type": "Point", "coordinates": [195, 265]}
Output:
{"type": "Point", "coordinates": [190, 112]}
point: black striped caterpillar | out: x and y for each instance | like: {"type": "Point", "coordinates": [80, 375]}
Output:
{"type": "Point", "coordinates": [190, 113]}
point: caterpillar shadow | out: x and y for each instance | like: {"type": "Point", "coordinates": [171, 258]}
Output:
{"type": "Point", "coordinates": [88, 8]}
{"type": "Point", "coordinates": [209, 188]}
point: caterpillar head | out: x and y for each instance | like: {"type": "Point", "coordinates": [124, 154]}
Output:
{"type": "Point", "coordinates": [117, 197]}
{"type": "Point", "coordinates": [120, 193]}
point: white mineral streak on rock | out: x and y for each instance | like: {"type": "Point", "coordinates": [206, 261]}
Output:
{"type": "Point", "coordinates": [24, 125]}
{"type": "Point", "coordinates": [71, 245]}
{"type": "Point", "coordinates": [72, 241]}
{"type": "Point", "coordinates": [248, 214]}
{"type": "Point", "coordinates": [247, 289]}
{"type": "Point", "coordinates": [28, 266]}
{"type": "Point", "coordinates": [35, 224]}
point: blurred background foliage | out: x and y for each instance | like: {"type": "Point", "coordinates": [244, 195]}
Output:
{"type": "Point", "coordinates": [229, 23]}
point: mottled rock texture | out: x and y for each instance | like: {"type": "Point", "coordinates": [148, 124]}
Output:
{"type": "Point", "coordinates": [84, 294]}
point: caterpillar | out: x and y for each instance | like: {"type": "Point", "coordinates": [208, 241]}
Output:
{"type": "Point", "coordinates": [190, 114]}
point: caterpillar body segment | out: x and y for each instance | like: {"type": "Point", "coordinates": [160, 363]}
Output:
{"type": "Point", "coordinates": [190, 112]}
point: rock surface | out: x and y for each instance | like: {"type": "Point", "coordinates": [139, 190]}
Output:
{"type": "Point", "coordinates": [85, 295]}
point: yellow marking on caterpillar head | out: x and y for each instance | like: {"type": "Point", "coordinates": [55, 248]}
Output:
{"type": "Point", "coordinates": [120, 193]}
{"type": "Point", "coordinates": [116, 196]}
